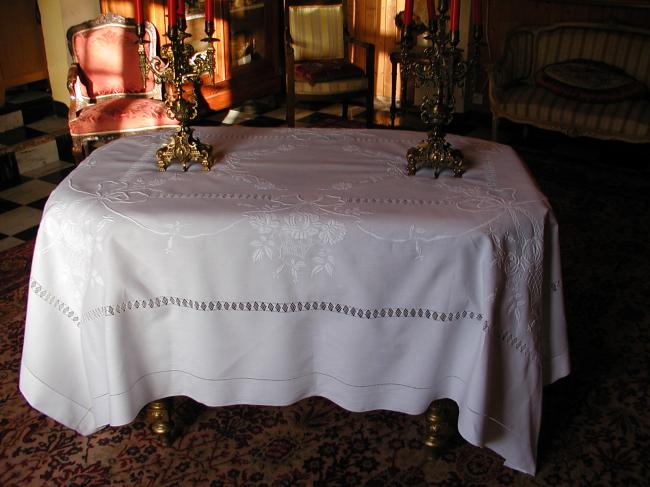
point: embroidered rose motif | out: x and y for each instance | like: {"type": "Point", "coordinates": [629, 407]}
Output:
{"type": "Point", "coordinates": [331, 232]}
{"type": "Point", "coordinates": [299, 241]}
{"type": "Point", "coordinates": [301, 226]}
{"type": "Point", "coordinates": [264, 223]}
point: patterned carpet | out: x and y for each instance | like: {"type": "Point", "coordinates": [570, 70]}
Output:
{"type": "Point", "coordinates": [596, 422]}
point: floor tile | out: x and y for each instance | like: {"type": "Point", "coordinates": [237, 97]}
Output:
{"type": "Point", "coordinates": [279, 113]}
{"type": "Point", "coordinates": [317, 118]}
{"type": "Point", "coordinates": [64, 146]}
{"type": "Point", "coordinates": [34, 157]}
{"type": "Point", "coordinates": [17, 135]}
{"type": "Point", "coordinates": [9, 173]}
{"type": "Point", "coordinates": [18, 97]}
{"type": "Point", "coordinates": [57, 176]}
{"type": "Point", "coordinates": [49, 168]}
{"type": "Point", "coordinates": [9, 242]}
{"type": "Point", "coordinates": [207, 122]}
{"type": "Point", "coordinates": [6, 205]}
{"type": "Point", "coordinates": [263, 121]}
{"type": "Point", "coordinates": [19, 219]}
{"type": "Point", "coordinates": [234, 117]}
{"type": "Point", "coordinates": [313, 105]}
{"type": "Point", "coordinates": [28, 234]}
{"type": "Point", "coordinates": [11, 120]}
{"type": "Point", "coordinates": [28, 192]}
{"type": "Point", "coordinates": [337, 109]}
{"type": "Point", "coordinates": [50, 125]}
{"type": "Point", "coordinates": [36, 110]}
{"type": "Point", "coordinates": [16, 181]}
{"type": "Point", "coordinates": [38, 204]}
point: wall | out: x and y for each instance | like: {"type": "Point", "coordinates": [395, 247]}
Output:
{"type": "Point", "coordinates": [374, 21]}
{"type": "Point", "coordinates": [57, 16]}
{"type": "Point", "coordinates": [504, 15]}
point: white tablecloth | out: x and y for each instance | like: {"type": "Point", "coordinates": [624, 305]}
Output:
{"type": "Point", "coordinates": [305, 263]}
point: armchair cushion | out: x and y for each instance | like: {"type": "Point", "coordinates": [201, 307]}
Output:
{"type": "Point", "coordinates": [121, 115]}
{"type": "Point", "coordinates": [590, 81]}
{"type": "Point", "coordinates": [319, 71]}
{"type": "Point", "coordinates": [109, 62]}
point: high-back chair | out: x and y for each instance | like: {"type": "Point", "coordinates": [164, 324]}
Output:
{"type": "Point", "coordinates": [318, 65]}
{"type": "Point", "coordinates": [108, 97]}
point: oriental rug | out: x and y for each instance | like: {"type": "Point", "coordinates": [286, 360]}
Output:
{"type": "Point", "coordinates": [596, 423]}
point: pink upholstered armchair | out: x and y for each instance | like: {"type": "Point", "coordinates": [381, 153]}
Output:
{"type": "Point", "coordinates": [108, 98]}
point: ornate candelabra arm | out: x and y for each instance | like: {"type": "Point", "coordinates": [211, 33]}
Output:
{"type": "Point", "coordinates": [442, 67]}
{"type": "Point", "coordinates": [209, 60]}
{"type": "Point", "coordinates": [181, 69]}
{"type": "Point", "coordinates": [142, 53]}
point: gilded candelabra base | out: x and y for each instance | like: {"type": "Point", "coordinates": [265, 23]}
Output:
{"type": "Point", "coordinates": [434, 152]}
{"type": "Point", "coordinates": [184, 148]}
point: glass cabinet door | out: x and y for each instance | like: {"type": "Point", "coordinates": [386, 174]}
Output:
{"type": "Point", "coordinates": [195, 17]}
{"type": "Point", "coordinates": [248, 26]}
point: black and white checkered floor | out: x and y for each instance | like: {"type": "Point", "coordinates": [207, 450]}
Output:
{"type": "Point", "coordinates": [38, 143]}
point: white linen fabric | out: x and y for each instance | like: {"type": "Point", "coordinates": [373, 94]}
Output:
{"type": "Point", "coordinates": [306, 262]}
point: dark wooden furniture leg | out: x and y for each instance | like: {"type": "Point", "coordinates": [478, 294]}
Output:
{"type": "Point", "coordinates": [393, 87]}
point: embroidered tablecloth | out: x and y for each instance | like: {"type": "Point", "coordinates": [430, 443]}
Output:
{"type": "Point", "coordinates": [305, 263]}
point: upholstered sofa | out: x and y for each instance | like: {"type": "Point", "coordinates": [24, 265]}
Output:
{"type": "Point", "coordinates": [521, 88]}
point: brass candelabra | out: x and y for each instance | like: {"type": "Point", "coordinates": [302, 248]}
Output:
{"type": "Point", "coordinates": [442, 67]}
{"type": "Point", "coordinates": [180, 67]}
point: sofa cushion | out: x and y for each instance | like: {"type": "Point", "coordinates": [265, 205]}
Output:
{"type": "Point", "coordinates": [590, 81]}
{"type": "Point", "coordinates": [625, 120]}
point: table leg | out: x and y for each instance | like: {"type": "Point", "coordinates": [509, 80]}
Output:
{"type": "Point", "coordinates": [393, 89]}
{"type": "Point", "coordinates": [438, 429]}
{"type": "Point", "coordinates": [159, 418]}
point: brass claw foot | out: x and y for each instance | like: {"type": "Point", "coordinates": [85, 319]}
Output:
{"type": "Point", "coordinates": [159, 418]}
{"type": "Point", "coordinates": [436, 153]}
{"type": "Point", "coordinates": [184, 148]}
{"type": "Point", "coordinates": [439, 430]}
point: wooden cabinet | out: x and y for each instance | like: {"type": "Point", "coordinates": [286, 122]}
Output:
{"type": "Point", "coordinates": [22, 54]}
{"type": "Point", "coordinates": [248, 54]}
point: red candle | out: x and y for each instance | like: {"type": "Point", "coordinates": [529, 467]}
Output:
{"type": "Point", "coordinates": [139, 12]}
{"type": "Point", "coordinates": [172, 13]}
{"type": "Point", "coordinates": [209, 11]}
{"type": "Point", "coordinates": [476, 12]}
{"type": "Point", "coordinates": [408, 12]}
{"type": "Point", "coordinates": [431, 8]}
{"type": "Point", "coordinates": [455, 15]}
{"type": "Point", "coordinates": [180, 8]}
